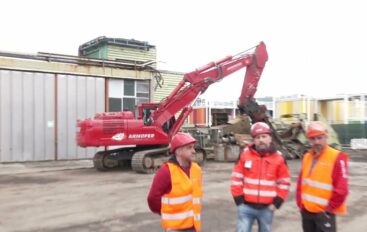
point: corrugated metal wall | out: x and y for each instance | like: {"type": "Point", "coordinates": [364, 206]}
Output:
{"type": "Point", "coordinates": [27, 117]}
{"type": "Point", "coordinates": [78, 97]}
{"type": "Point", "coordinates": [28, 124]}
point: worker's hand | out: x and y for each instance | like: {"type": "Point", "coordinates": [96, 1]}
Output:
{"type": "Point", "coordinates": [326, 215]}
{"type": "Point", "coordinates": [272, 207]}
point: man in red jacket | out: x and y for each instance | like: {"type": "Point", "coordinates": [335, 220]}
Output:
{"type": "Point", "coordinates": [176, 190]}
{"type": "Point", "coordinates": [260, 181]}
{"type": "Point", "coordinates": [322, 186]}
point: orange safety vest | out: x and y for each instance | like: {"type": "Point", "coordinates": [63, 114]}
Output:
{"type": "Point", "coordinates": [182, 206]}
{"type": "Point", "coordinates": [317, 184]}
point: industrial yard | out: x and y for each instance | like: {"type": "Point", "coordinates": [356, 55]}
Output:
{"type": "Point", "coordinates": [73, 196]}
{"type": "Point", "coordinates": [94, 99]}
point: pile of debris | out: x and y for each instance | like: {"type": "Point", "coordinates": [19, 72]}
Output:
{"type": "Point", "coordinates": [225, 142]}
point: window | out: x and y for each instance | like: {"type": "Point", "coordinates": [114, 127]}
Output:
{"type": "Point", "coordinates": [142, 91]}
{"type": "Point", "coordinates": [127, 94]}
{"type": "Point", "coordinates": [129, 88]}
{"type": "Point", "coordinates": [129, 104]}
{"type": "Point", "coordinates": [115, 104]}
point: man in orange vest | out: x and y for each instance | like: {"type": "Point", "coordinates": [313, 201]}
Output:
{"type": "Point", "coordinates": [322, 186]}
{"type": "Point", "coordinates": [260, 181]}
{"type": "Point", "coordinates": [176, 190]}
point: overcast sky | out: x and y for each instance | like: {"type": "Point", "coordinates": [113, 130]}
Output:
{"type": "Point", "coordinates": [316, 48]}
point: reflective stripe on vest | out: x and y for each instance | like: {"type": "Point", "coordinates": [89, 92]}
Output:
{"type": "Point", "coordinates": [314, 199]}
{"type": "Point", "coordinates": [317, 188]}
{"type": "Point", "coordinates": [181, 207]}
{"type": "Point", "coordinates": [259, 181]}
{"type": "Point", "coordinates": [284, 187]}
{"type": "Point", "coordinates": [282, 180]}
{"type": "Point", "coordinates": [177, 216]}
{"type": "Point", "coordinates": [261, 193]}
{"type": "Point", "coordinates": [236, 182]}
{"type": "Point", "coordinates": [317, 184]}
{"type": "Point", "coordinates": [237, 174]}
{"type": "Point", "coordinates": [283, 183]}
{"type": "Point", "coordinates": [176, 200]}
{"type": "Point", "coordinates": [196, 200]}
{"type": "Point", "coordinates": [264, 182]}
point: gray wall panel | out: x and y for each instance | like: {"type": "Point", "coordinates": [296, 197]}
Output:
{"type": "Point", "coordinates": [50, 96]}
{"type": "Point", "coordinates": [49, 100]}
{"type": "Point", "coordinates": [99, 105]}
{"type": "Point", "coordinates": [26, 107]}
{"type": "Point", "coordinates": [62, 115]}
{"type": "Point", "coordinates": [39, 118]}
{"type": "Point", "coordinates": [5, 118]}
{"type": "Point", "coordinates": [81, 113]}
{"type": "Point", "coordinates": [79, 97]}
{"type": "Point", "coordinates": [28, 115]}
{"type": "Point", "coordinates": [100, 95]}
{"type": "Point", "coordinates": [44, 117]}
{"type": "Point", "coordinates": [71, 117]}
{"type": "Point", "coordinates": [91, 96]}
{"type": "Point", "coordinates": [17, 116]}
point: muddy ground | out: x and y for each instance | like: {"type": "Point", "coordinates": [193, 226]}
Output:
{"type": "Point", "coordinates": [71, 196]}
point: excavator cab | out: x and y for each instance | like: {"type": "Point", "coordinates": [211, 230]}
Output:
{"type": "Point", "coordinates": [145, 111]}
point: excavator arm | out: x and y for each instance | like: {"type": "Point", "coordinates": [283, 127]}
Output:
{"type": "Point", "coordinates": [196, 82]}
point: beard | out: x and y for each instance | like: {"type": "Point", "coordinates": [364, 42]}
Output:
{"type": "Point", "coordinates": [262, 148]}
{"type": "Point", "coordinates": [317, 147]}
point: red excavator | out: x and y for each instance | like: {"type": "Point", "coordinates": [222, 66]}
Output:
{"type": "Point", "coordinates": [145, 139]}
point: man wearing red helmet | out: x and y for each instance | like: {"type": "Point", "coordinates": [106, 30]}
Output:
{"type": "Point", "coordinates": [176, 190]}
{"type": "Point", "coordinates": [322, 186]}
{"type": "Point", "coordinates": [260, 181]}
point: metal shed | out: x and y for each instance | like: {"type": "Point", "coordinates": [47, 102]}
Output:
{"type": "Point", "coordinates": [42, 96]}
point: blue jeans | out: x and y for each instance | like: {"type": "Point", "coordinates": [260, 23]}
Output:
{"type": "Point", "coordinates": [247, 215]}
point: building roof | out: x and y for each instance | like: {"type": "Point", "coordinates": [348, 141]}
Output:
{"type": "Point", "coordinates": [103, 40]}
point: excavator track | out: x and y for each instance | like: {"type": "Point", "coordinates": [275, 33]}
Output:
{"type": "Point", "coordinates": [148, 161]}
{"type": "Point", "coordinates": [102, 161]}
{"type": "Point", "coordinates": [98, 161]}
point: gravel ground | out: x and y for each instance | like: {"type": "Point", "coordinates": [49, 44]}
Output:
{"type": "Point", "coordinates": [72, 196]}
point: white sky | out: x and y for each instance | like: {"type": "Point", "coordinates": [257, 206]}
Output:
{"type": "Point", "coordinates": [315, 47]}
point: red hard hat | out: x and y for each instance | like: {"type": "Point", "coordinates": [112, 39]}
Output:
{"type": "Point", "coordinates": [260, 128]}
{"type": "Point", "coordinates": [180, 140]}
{"type": "Point", "coordinates": [316, 128]}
